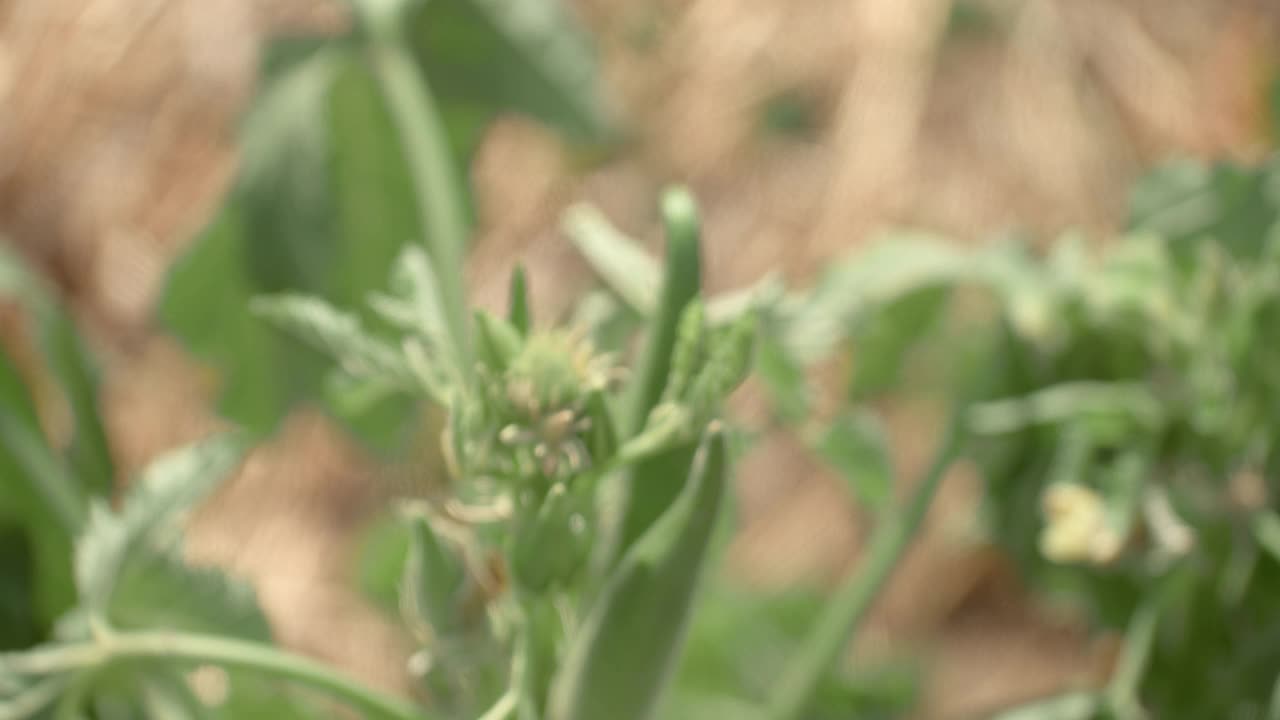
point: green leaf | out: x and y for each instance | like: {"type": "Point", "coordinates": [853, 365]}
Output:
{"type": "Point", "coordinates": [432, 581]}
{"type": "Point", "coordinates": [67, 358]}
{"type": "Point", "coordinates": [619, 260]}
{"type": "Point", "coordinates": [322, 207]}
{"type": "Point", "coordinates": [158, 591]}
{"type": "Point", "coordinates": [115, 543]}
{"type": "Point", "coordinates": [414, 304]}
{"type": "Point", "coordinates": [892, 268]}
{"type": "Point", "coordinates": [783, 378]}
{"type": "Point", "coordinates": [34, 470]}
{"type": "Point", "coordinates": [627, 649]}
{"type": "Point", "coordinates": [1188, 202]}
{"type": "Point", "coordinates": [39, 495]}
{"type": "Point", "coordinates": [884, 338]}
{"type": "Point", "coordinates": [20, 625]}
{"type": "Point", "coordinates": [495, 56]}
{"type": "Point", "coordinates": [338, 335]}
{"type": "Point", "coordinates": [855, 444]}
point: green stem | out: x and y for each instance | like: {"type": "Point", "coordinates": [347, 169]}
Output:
{"type": "Point", "coordinates": [1122, 693]}
{"type": "Point", "coordinates": [430, 160]}
{"type": "Point", "coordinates": [208, 649]}
{"type": "Point", "coordinates": [32, 700]}
{"type": "Point", "coordinates": [846, 611]}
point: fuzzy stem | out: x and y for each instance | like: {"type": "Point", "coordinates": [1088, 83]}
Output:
{"type": "Point", "coordinates": [183, 647]}
{"type": "Point", "coordinates": [441, 204]}
{"type": "Point", "coordinates": [845, 612]}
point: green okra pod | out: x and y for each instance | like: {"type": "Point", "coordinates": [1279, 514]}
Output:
{"type": "Point", "coordinates": [652, 485]}
{"type": "Point", "coordinates": [629, 644]}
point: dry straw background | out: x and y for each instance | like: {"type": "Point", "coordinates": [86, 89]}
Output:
{"type": "Point", "coordinates": [117, 138]}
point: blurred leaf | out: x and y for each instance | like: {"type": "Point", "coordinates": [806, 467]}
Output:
{"type": "Point", "coordinates": [1187, 202]}
{"type": "Point", "coordinates": [69, 362]}
{"type": "Point", "coordinates": [896, 266]}
{"type": "Point", "coordinates": [322, 206]}
{"type": "Point", "coordinates": [783, 378]}
{"type": "Point", "coordinates": [1266, 529]}
{"type": "Point", "coordinates": [20, 624]}
{"type": "Point", "coordinates": [791, 112]}
{"type": "Point", "coordinates": [158, 591]}
{"type": "Point", "coordinates": [619, 260]}
{"type": "Point", "coordinates": [740, 641]}
{"type": "Point", "coordinates": [383, 549]}
{"type": "Point", "coordinates": [884, 338]}
{"type": "Point", "coordinates": [1130, 403]}
{"type": "Point", "coordinates": [339, 336]}
{"type": "Point", "coordinates": [530, 56]}
{"type": "Point", "coordinates": [855, 444]}
{"type": "Point", "coordinates": [39, 494]}
{"type": "Point", "coordinates": [115, 544]}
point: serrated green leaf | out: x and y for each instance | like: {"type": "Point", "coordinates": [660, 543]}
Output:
{"type": "Point", "coordinates": [322, 207]}
{"type": "Point", "coordinates": [855, 444]}
{"type": "Point", "coordinates": [169, 487]}
{"type": "Point", "coordinates": [414, 304]}
{"type": "Point", "coordinates": [338, 335]}
{"type": "Point", "coordinates": [496, 56]}
{"type": "Point", "coordinates": [156, 590]}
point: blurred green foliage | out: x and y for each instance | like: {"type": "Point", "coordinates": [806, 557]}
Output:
{"type": "Point", "coordinates": [327, 198]}
{"type": "Point", "coordinates": [1123, 427]}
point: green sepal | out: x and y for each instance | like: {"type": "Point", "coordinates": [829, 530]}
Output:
{"type": "Point", "coordinates": [518, 312]}
{"type": "Point", "coordinates": [433, 580]}
{"type": "Point", "coordinates": [497, 341]}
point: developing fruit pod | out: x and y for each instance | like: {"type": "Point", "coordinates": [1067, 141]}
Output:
{"type": "Point", "coordinates": [433, 580]}
{"type": "Point", "coordinates": [548, 548]}
{"type": "Point", "coordinates": [629, 644]}
{"type": "Point", "coordinates": [648, 490]}
{"type": "Point", "coordinates": [726, 367]}
{"type": "Point", "coordinates": [687, 357]}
